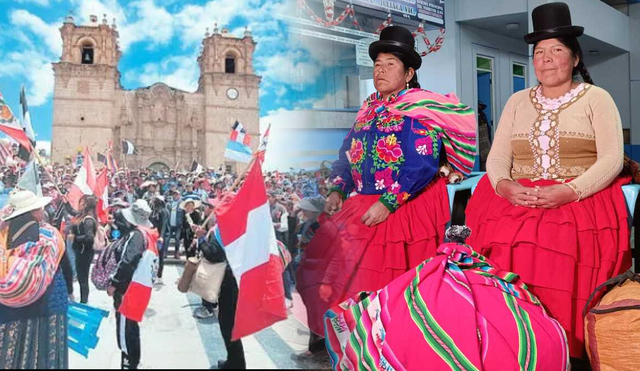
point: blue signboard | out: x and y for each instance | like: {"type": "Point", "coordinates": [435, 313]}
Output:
{"type": "Point", "coordinates": [428, 11]}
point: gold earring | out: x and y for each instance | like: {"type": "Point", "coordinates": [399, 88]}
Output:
{"type": "Point", "coordinates": [407, 85]}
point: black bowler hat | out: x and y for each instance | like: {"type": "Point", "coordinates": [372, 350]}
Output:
{"type": "Point", "coordinates": [550, 21]}
{"type": "Point", "coordinates": [396, 39]}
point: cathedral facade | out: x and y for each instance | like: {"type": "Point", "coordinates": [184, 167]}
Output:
{"type": "Point", "coordinates": [170, 128]}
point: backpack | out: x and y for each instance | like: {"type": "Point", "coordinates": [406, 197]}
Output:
{"type": "Point", "coordinates": [104, 267]}
{"type": "Point", "coordinates": [611, 327]}
{"type": "Point", "coordinates": [100, 240]}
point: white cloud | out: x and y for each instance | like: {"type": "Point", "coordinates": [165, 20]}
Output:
{"type": "Point", "coordinates": [179, 72]}
{"type": "Point", "coordinates": [192, 21]}
{"type": "Point", "coordinates": [290, 68]}
{"type": "Point", "coordinates": [48, 32]}
{"type": "Point", "coordinates": [36, 68]}
{"type": "Point", "coordinates": [153, 24]}
{"type": "Point", "coordinates": [44, 144]}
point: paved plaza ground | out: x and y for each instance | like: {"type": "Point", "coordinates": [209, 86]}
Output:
{"type": "Point", "coordinates": [173, 339]}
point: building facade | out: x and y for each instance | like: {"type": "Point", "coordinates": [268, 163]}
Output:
{"type": "Point", "coordinates": [170, 128]}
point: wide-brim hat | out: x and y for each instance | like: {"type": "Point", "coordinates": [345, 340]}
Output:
{"type": "Point", "coordinates": [551, 21]}
{"type": "Point", "coordinates": [22, 202]}
{"type": "Point", "coordinates": [118, 203]}
{"type": "Point", "coordinates": [138, 214]}
{"type": "Point", "coordinates": [196, 203]}
{"type": "Point", "coordinates": [396, 39]}
{"type": "Point", "coordinates": [313, 204]}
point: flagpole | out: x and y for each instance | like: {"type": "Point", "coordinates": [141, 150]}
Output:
{"type": "Point", "coordinates": [236, 183]}
{"type": "Point", "coordinates": [35, 153]}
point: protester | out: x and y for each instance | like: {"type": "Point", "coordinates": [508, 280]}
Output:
{"type": "Point", "coordinates": [160, 219]}
{"type": "Point", "coordinates": [227, 302]}
{"type": "Point", "coordinates": [83, 232]}
{"type": "Point", "coordinates": [137, 257]}
{"type": "Point", "coordinates": [192, 219]}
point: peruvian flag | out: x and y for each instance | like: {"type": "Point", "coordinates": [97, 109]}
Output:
{"type": "Point", "coordinates": [138, 295]}
{"type": "Point", "coordinates": [249, 240]}
{"type": "Point", "coordinates": [102, 193]}
{"type": "Point", "coordinates": [10, 125]}
{"type": "Point", "coordinates": [85, 183]}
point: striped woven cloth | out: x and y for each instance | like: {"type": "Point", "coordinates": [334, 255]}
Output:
{"type": "Point", "coordinates": [27, 270]}
{"type": "Point", "coordinates": [285, 255]}
{"type": "Point", "coordinates": [452, 312]}
{"type": "Point", "coordinates": [455, 122]}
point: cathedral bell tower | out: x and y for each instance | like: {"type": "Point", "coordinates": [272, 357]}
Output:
{"type": "Point", "coordinates": [86, 80]}
{"type": "Point", "coordinates": [231, 90]}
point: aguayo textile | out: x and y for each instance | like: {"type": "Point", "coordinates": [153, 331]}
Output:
{"type": "Point", "coordinates": [27, 270]}
{"type": "Point", "coordinates": [453, 121]}
{"type": "Point", "coordinates": [452, 312]}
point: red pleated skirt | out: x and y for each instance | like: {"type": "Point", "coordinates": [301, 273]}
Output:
{"type": "Point", "coordinates": [345, 257]}
{"type": "Point", "coordinates": [561, 254]}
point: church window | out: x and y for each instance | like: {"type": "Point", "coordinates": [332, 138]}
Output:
{"type": "Point", "coordinates": [230, 65]}
{"type": "Point", "coordinates": [87, 55]}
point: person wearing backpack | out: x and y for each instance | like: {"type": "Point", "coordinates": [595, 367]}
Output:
{"type": "Point", "coordinates": [130, 284]}
{"type": "Point", "coordinates": [83, 233]}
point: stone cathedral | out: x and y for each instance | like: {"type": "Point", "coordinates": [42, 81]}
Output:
{"type": "Point", "coordinates": [169, 127]}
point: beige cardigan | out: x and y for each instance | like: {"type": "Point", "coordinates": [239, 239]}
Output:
{"type": "Point", "coordinates": [581, 139]}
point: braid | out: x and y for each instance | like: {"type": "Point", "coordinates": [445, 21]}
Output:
{"type": "Point", "coordinates": [582, 69]}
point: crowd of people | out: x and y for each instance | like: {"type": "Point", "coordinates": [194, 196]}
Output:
{"type": "Point", "coordinates": [173, 209]}
{"type": "Point", "coordinates": [547, 225]}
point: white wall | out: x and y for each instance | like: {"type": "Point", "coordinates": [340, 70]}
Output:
{"type": "Point", "coordinates": [439, 71]}
{"type": "Point", "coordinates": [475, 9]}
{"type": "Point", "coordinates": [634, 29]}
{"type": "Point", "coordinates": [504, 49]}
{"type": "Point", "coordinates": [612, 74]}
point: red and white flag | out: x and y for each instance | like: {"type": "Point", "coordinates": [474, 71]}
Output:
{"type": "Point", "coordinates": [85, 183]}
{"type": "Point", "coordinates": [249, 240]}
{"type": "Point", "coordinates": [138, 295]}
{"type": "Point", "coordinates": [102, 193]}
{"type": "Point", "coordinates": [6, 153]}
{"type": "Point", "coordinates": [264, 141]}
{"type": "Point", "coordinates": [10, 125]}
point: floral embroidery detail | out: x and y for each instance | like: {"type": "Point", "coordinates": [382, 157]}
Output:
{"type": "Point", "coordinates": [337, 180]}
{"type": "Point", "coordinates": [384, 178]}
{"type": "Point", "coordinates": [364, 122]}
{"type": "Point", "coordinates": [389, 149]}
{"type": "Point", "coordinates": [390, 123]}
{"type": "Point", "coordinates": [403, 197]}
{"type": "Point", "coordinates": [424, 146]}
{"type": "Point", "coordinates": [395, 188]}
{"type": "Point", "coordinates": [356, 153]}
{"type": "Point", "coordinates": [391, 200]}
{"type": "Point", "coordinates": [357, 179]}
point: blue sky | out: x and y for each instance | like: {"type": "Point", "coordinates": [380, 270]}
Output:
{"type": "Point", "coordinates": [159, 40]}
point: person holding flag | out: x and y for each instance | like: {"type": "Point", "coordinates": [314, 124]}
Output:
{"type": "Point", "coordinates": [131, 284]}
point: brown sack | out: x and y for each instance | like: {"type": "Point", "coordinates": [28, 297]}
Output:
{"type": "Point", "coordinates": [612, 328]}
{"type": "Point", "coordinates": [190, 268]}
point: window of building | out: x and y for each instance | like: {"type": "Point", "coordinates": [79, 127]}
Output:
{"type": "Point", "coordinates": [87, 55]}
{"type": "Point", "coordinates": [230, 65]}
{"type": "Point", "coordinates": [519, 77]}
{"type": "Point", "coordinates": [485, 93]}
